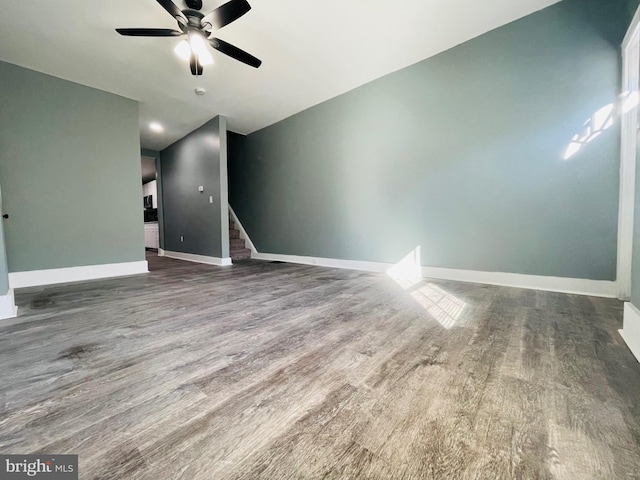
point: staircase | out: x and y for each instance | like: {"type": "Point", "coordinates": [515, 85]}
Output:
{"type": "Point", "coordinates": [237, 249]}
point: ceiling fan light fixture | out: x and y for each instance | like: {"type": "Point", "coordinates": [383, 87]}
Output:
{"type": "Point", "coordinates": [198, 27]}
{"type": "Point", "coordinates": [197, 43]}
{"type": "Point", "coordinates": [205, 59]}
{"type": "Point", "coordinates": [183, 50]}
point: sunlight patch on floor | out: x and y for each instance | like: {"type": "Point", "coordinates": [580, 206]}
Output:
{"type": "Point", "coordinates": [443, 306]}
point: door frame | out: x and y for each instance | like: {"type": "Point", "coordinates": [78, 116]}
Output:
{"type": "Point", "coordinates": [629, 125]}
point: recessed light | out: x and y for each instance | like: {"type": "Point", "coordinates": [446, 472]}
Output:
{"type": "Point", "coordinates": [156, 127]}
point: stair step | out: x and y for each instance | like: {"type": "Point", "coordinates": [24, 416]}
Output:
{"type": "Point", "coordinates": [232, 225]}
{"type": "Point", "coordinates": [236, 243]}
{"type": "Point", "coordinates": [240, 254]}
{"type": "Point", "coordinates": [234, 233]}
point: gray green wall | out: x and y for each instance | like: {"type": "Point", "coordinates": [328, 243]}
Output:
{"type": "Point", "coordinates": [69, 172]}
{"type": "Point", "coordinates": [199, 159]}
{"type": "Point", "coordinates": [461, 154]}
{"type": "Point", "coordinates": [4, 269]}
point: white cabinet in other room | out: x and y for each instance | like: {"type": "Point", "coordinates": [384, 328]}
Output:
{"type": "Point", "coordinates": [151, 235]}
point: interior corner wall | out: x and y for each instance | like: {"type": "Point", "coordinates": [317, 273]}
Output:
{"type": "Point", "coordinates": [198, 159]}
{"type": "Point", "coordinates": [461, 154]}
{"type": "Point", "coordinates": [4, 269]}
{"type": "Point", "coordinates": [69, 172]}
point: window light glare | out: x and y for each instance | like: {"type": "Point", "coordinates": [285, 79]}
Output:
{"type": "Point", "coordinates": [156, 127]}
{"type": "Point", "coordinates": [631, 101]}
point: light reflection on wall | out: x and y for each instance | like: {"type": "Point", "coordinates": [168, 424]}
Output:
{"type": "Point", "coordinates": [594, 126]}
{"type": "Point", "coordinates": [443, 306]}
{"type": "Point", "coordinates": [601, 121]}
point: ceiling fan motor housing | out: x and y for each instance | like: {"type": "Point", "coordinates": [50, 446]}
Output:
{"type": "Point", "coordinates": [193, 4]}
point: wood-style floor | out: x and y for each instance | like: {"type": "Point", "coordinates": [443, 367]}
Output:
{"type": "Point", "coordinates": [279, 371]}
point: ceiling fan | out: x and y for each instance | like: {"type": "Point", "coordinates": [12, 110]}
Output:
{"type": "Point", "coordinates": [198, 29]}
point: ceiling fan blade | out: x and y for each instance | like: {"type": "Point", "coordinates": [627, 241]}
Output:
{"type": "Point", "coordinates": [148, 32]}
{"type": "Point", "coordinates": [227, 13]}
{"type": "Point", "coordinates": [174, 10]}
{"type": "Point", "coordinates": [235, 52]}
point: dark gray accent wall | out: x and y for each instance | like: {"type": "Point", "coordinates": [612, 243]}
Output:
{"type": "Point", "coordinates": [69, 172]}
{"type": "Point", "coordinates": [461, 154]}
{"type": "Point", "coordinates": [198, 159]}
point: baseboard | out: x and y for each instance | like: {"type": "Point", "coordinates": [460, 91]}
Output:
{"type": "Point", "coordinates": [325, 262]}
{"type": "Point", "coordinates": [243, 233]}
{"type": "Point", "coordinates": [578, 286]}
{"type": "Point", "coordinates": [52, 276]}
{"type": "Point", "coordinates": [192, 257]}
{"type": "Point", "coordinates": [630, 332]}
{"type": "Point", "coordinates": [8, 307]}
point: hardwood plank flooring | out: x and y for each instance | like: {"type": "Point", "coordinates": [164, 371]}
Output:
{"type": "Point", "coordinates": [278, 371]}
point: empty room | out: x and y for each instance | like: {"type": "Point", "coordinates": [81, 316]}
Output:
{"type": "Point", "coordinates": [284, 239]}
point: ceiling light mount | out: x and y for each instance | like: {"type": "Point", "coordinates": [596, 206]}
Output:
{"type": "Point", "coordinates": [200, 91]}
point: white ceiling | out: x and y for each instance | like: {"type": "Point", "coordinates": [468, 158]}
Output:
{"type": "Point", "coordinates": [311, 51]}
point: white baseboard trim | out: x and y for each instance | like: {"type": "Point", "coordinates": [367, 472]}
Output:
{"type": "Point", "coordinates": [52, 276]}
{"type": "Point", "coordinates": [8, 307]}
{"type": "Point", "coordinates": [630, 332]}
{"type": "Point", "coordinates": [243, 233]}
{"type": "Point", "coordinates": [578, 286]}
{"type": "Point", "coordinates": [324, 262]}
{"type": "Point", "coordinates": [192, 257]}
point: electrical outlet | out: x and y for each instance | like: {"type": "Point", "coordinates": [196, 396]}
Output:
{"type": "Point", "coordinates": [181, 238]}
